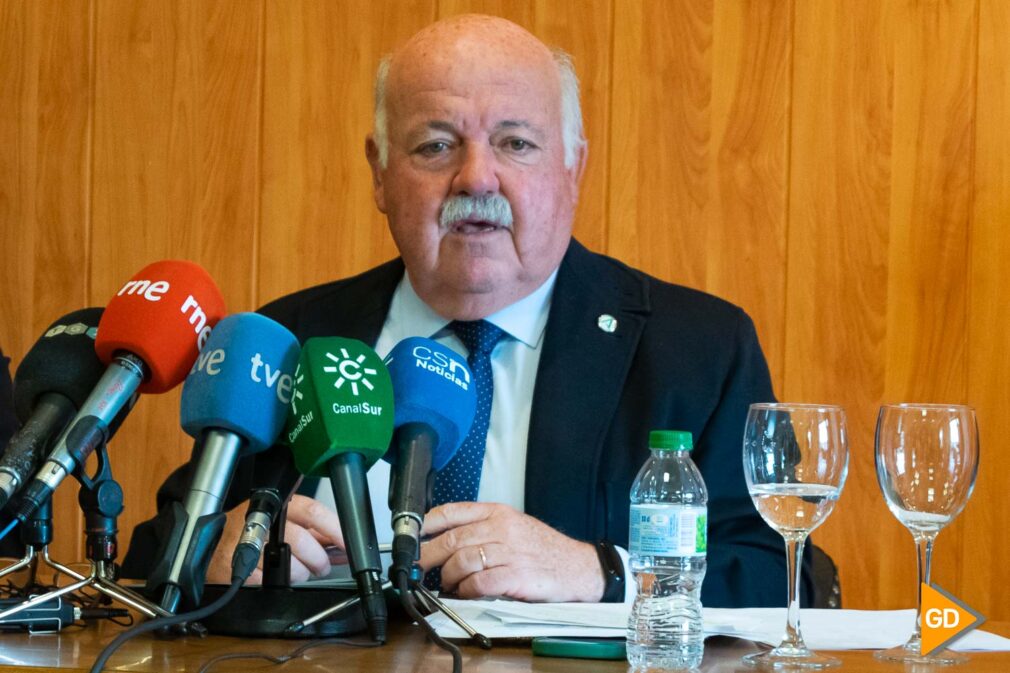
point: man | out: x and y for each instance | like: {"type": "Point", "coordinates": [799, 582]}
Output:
{"type": "Point", "coordinates": [476, 158]}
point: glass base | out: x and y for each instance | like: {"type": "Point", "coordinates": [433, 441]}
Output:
{"type": "Point", "coordinates": [786, 656]}
{"type": "Point", "coordinates": [910, 653]}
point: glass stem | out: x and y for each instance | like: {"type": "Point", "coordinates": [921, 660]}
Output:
{"type": "Point", "coordinates": [794, 565]}
{"type": "Point", "coordinates": [924, 545]}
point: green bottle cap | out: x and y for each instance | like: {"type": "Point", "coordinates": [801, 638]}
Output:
{"type": "Point", "coordinates": [670, 440]}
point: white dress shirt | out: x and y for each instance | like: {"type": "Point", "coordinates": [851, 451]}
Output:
{"type": "Point", "coordinates": [514, 364]}
{"type": "Point", "coordinates": [514, 369]}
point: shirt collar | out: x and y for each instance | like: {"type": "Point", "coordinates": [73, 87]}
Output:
{"type": "Point", "coordinates": [524, 320]}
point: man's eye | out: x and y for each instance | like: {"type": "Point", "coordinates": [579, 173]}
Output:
{"type": "Point", "coordinates": [433, 148]}
{"type": "Point", "coordinates": [519, 145]}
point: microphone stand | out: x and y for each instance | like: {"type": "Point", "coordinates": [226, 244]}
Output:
{"type": "Point", "coordinates": [101, 498]}
{"type": "Point", "coordinates": [36, 535]}
{"type": "Point", "coordinates": [431, 602]}
{"type": "Point", "coordinates": [264, 611]}
{"type": "Point", "coordinates": [277, 554]}
{"type": "Point", "coordinates": [426, 598]}
{"type": "Point", "coordinates": [296, 628]}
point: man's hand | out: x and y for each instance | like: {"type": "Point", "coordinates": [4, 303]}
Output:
{"type": "Point", "coordinates": [522, 558]}
{"type": "Point", "coordinates": [311, 526]}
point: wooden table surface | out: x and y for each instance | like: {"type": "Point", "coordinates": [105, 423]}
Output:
{"type": "Point", "coordinates": [407, 650]}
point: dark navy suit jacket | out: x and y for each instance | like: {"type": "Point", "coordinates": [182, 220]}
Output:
{"type": "Point", "coordinates": [678, 359]}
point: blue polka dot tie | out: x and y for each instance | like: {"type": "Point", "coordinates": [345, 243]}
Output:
{"type": "Point", "coordinates": [459, 481]}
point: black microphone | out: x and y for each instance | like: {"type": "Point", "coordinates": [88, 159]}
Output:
{"type": "Point", "coordinates": [434, 405]}
{"type": "Point", "coordinates": [50, 385]}
{"type": "Point", "coordinates": [275, 479]}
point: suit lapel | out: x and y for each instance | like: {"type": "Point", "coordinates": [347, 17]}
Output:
{"type": "Point", "coordinates": [356, 309]}
{"type": "Point", "coordinates": [579, 383]}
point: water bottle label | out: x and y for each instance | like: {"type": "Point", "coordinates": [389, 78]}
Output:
{"type": "Point", "coordinates": [668, 530]}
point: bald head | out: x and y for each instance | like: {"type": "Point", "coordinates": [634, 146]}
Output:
{"type": "Point", "coordinates": [460, 33]}
{"type": "Point", "coordinates": [453, 48]}
{"type": "Point", "coordinates": [476, 158]}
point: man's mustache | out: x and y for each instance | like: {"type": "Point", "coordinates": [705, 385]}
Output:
{"type": "Point", "coordinates": [492, 208]}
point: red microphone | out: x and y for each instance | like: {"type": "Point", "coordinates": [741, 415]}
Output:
{"type": "Point", "coordinates": [149, 337]}
{"type": "Point", "coordinates": [163, 315]}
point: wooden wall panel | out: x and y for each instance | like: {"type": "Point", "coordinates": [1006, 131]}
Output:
{"type": "Point", "coordinates": [45, 75]}
{"type": "Point", "coordinates": [928, 256]}
{"type": "Point", "coordinates": [44, 185]}
{"type": "Point", "coordinates": [836, 302]}
{"type": "Point", "coordinates": [985, 547]}
{"type": "Point", "coordinates": [930, 200]}
{"type": "Point", "coordinates": [176, 170]}
{"type": "Point", "coordinates": [517, 11]}
{"type": "Point", "coordinates": [319, 218]}
{"type": "Point", "coordinates": [585, 31]}
{"type": "Point", "coordinates": [229, 123]}
{"type": "Point", "coordinates": [745, 218]}
{"type": "Point", "coordinates": [660, 156]}
{"type": "Point", "coordinates": [701, 101]}
{"type": "Point", "coordinates": [177, 140]}
{"type": "Point", "coordinates": [19, 63]}
{"type": "Point", "coordinates": [838, 169]}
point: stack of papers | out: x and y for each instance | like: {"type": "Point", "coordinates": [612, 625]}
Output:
{"type": "Point", "coordinates": [822, 629]}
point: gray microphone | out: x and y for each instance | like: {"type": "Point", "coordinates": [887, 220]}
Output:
{"type": "Point", "coordinates": [234, 403]}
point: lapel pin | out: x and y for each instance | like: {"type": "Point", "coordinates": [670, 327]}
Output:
{"type": "Point", "coordinates": [607, 323]}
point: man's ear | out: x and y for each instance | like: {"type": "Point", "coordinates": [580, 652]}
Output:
{"type": "Point", "coordinates": [372, 153]}
{"type": "Point", "coordinates": [579, 168]}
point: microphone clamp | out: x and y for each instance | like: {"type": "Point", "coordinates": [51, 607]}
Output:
{"type": "Point", "coordinates": [407, 523]}
{"type": "Point", "coordinates": [90, 431]}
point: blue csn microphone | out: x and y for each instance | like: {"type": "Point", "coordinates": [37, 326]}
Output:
{"type": "Point", "coordinates": [234, 403]}
{"type": "Point", "coordinates": [434, 401]}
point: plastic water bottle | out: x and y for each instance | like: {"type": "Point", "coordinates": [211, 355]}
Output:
{"type": "Point", "coordinates": [669, 533]}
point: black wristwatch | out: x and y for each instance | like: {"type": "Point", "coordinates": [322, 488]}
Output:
{"type": "Point", "coordinates": [613, 572]}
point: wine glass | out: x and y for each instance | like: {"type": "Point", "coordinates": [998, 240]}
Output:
{"type": "Point", "coordinates": [927, 460]}
{"type": "Point", "coordinates": [795, 458]}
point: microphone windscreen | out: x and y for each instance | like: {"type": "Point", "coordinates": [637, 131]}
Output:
{"type": "Point", "coordinates": [164, 315]}
{"type": "Point", "coordinates": [342, 402]}
{"type": "Point", "coordinates": [432, 385]}
{"type": "Point", "coordinates": [242, 380]}
{"type": "Point", "coordinates": [62, 361]}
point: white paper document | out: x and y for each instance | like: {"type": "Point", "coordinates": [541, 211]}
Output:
{"type": "Point", "coordinates": [822, 629]}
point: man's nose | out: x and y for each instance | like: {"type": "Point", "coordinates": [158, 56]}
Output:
{"type": "Point", "coordinates": [477, 174]}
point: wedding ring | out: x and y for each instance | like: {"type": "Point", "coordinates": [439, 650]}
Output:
{"type": "Point", "coordinates": [483, 557]}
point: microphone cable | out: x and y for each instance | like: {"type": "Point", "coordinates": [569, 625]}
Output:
{"type": "Point", "coordinates": [8, 529]}
{"type": "Point", "coordinates": [406, 600]}
{"type": "Point", "coordinates": [243, 563]}
{"type": "Point", "coordinates": [284, 658]}
{"type": "Point", "coordinates": [166, 622]}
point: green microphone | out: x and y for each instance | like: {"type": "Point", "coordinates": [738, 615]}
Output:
{"type": "Point", "coordinates": [339, 423]}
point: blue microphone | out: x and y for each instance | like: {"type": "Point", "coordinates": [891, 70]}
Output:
{"type": "Point", "coordinates": [234, 404]}
{"type": "Point", "coordinates": [435, 401]}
